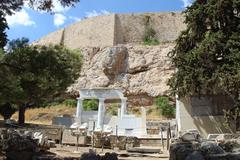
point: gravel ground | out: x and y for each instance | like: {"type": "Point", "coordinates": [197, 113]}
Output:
{"type": "Point", "coordinates": [71, 151]}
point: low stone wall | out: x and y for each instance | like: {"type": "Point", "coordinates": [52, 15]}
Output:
{"type": "Point", "coordinates": [205, 124]}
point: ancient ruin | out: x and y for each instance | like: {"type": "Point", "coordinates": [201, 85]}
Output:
{"type": "Point", "coordinates": [135, 126]}
{"type": "Point", "coordinates": [118, 66]}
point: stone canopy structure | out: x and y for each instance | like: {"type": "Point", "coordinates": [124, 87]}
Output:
{"type": "Point", "coordinates": [101, 94]}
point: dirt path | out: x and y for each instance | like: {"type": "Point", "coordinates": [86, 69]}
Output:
{"type": "Point", "coordinates": [71, 151]}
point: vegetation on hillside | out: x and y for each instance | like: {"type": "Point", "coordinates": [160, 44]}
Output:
{"type": "Point", "coordinates": [163, 107]}
{"type": "Point", "coordinates": [207, 53]}
{"type": "Point", "coordinates": [149, 35]}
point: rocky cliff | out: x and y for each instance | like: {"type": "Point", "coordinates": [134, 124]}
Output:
{"type": "Point", "coordinates": [114, 55]}
{"type": "Point", "coordinates": [141, 71]}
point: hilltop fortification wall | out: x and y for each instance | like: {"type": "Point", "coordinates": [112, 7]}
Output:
{"type": "Point", "coordinates": [116, 29]}
{"type": "Point", "coordinates": [96, 31]}
{"type": "Point", "coordinates": [51, 38]}
{"type": "Point", "coordinates": [132, 27]}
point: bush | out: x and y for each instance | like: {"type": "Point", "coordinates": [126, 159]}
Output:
{"type": "Point", "coordinates": [90, 105]}
{"type": "Point", "coordinates": [166, 109]}
{"type": "Point", "coordinates": [150, 110]}
{"type": "Point", "coordinates": [53, 102]}
{"type": "Point", "coordinates": [70, 102]}
{"type": "Point", "coordinates": [149, 34]}
{"type": "Point", "coordinates": [153, 42]}
{"type": "Point", "coordinates": [134, 110]}
{"type": "Point", "coordinates": [7, 110]}
{"type": "Point", "coordinates": [113, 109]}
{"type": "Point", "coordinates": [149, 37]}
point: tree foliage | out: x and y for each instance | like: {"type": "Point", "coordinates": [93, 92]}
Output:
{"type": "Point", "coordinates": [90, 105]}
{"type": "Point", "coordinates": [32, 75]}
{"type": "Point", "coordinates": [165, 107]}
{"type": "Point", "coordinates": [207, 53]}
{"type": "Point", "coordinates": [3, 27]}
{"type": "Point", "coordinates": [9, 7]}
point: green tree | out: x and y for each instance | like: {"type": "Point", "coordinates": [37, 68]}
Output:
{"type": "Point", "coordinates": [17, 43]}
{"type": "Point", "coordinates": [40, 74]}
{"type": "Point", "coordinates": [164, 106]}
{"type": "Point", "coordinates": [207, 53]}
{"type": "Point", "coordinates": [90, 105]}
{"type": "Point", "coordinates": [3, 27]}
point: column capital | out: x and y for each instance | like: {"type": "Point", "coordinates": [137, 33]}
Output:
{"type": "Point", "coordinates": [101, 99]}
{"type": "Point", "coordinates": [123, 99]}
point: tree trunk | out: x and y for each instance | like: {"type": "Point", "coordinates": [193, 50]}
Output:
{"type": "Point", "coordinates": [238, 124]}
{"type": "Point", "coordinates": [6, 118]}
{"type": "Point", "coordinates": [21, 114]}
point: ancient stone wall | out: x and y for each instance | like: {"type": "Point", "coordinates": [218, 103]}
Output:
{"type": "Point", "coordinates": [109, 30]}
{"type": "Point", "coordinates": [51, 38]}
{"type": "Point", "coordinates": [95, 31]}
{"type": "Point", "coordinates": [132, 27]}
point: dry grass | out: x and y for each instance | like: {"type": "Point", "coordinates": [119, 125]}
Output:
{"type": "Point", "coordinates": [155, 114]}
{"type": "Point", "coordinates": [45, 115]}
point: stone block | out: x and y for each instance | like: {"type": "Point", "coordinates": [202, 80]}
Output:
{"type": "Point", "coordinates": [68, 138]}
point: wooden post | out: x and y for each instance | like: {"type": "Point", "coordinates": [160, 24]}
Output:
{"type": "Point", "coordinates": [93, 134]}
{"type": "Point", "coordinates": [167, 138]}
{"type": "Point", "coordinates": [162, 137]}
{"type": "Point", "coordinates": [116, 138]}
{"type": "Point", "coordinates": [102, 140]}
{"type": "Point", "coordinates": [77, 141]}
{"type": "Point", "coordinates": [169, 127]}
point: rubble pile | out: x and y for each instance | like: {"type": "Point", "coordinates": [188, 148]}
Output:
{"type": "Point", "coordinates": [94, 156]}
{"type": "Point", "coordinates": [191, 146]}
{"type": "Point", "coordinates": [17, 144]}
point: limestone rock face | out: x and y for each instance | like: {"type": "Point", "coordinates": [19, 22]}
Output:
{"type": "Point", "coordinates": [115, 61]}
{"type": "Point", "coordinates": [141, 71]}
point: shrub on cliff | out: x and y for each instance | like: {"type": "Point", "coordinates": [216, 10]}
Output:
{"type": "Point", "coordinates": [149, 35]}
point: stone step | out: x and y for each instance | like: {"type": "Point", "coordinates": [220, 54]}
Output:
{"type": "Point", "coordinates": [145, 149]}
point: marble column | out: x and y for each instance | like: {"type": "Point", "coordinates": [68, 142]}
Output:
{"type": "Point", "coordinates": [144, 122]}
{"type": "Point", "coordinates": [101, 112]}
{"type": "Point", "coordinates": [79, 109]}
{"type": "Point", "coordinates": [123, 106]}
{"type": "Point", "coordinates": [179, 127]}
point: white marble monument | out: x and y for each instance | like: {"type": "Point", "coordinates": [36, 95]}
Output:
{"type": "Point", "coordinates": [128, 125]}
{"type": "Point", "coordinates": [101, 94]}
